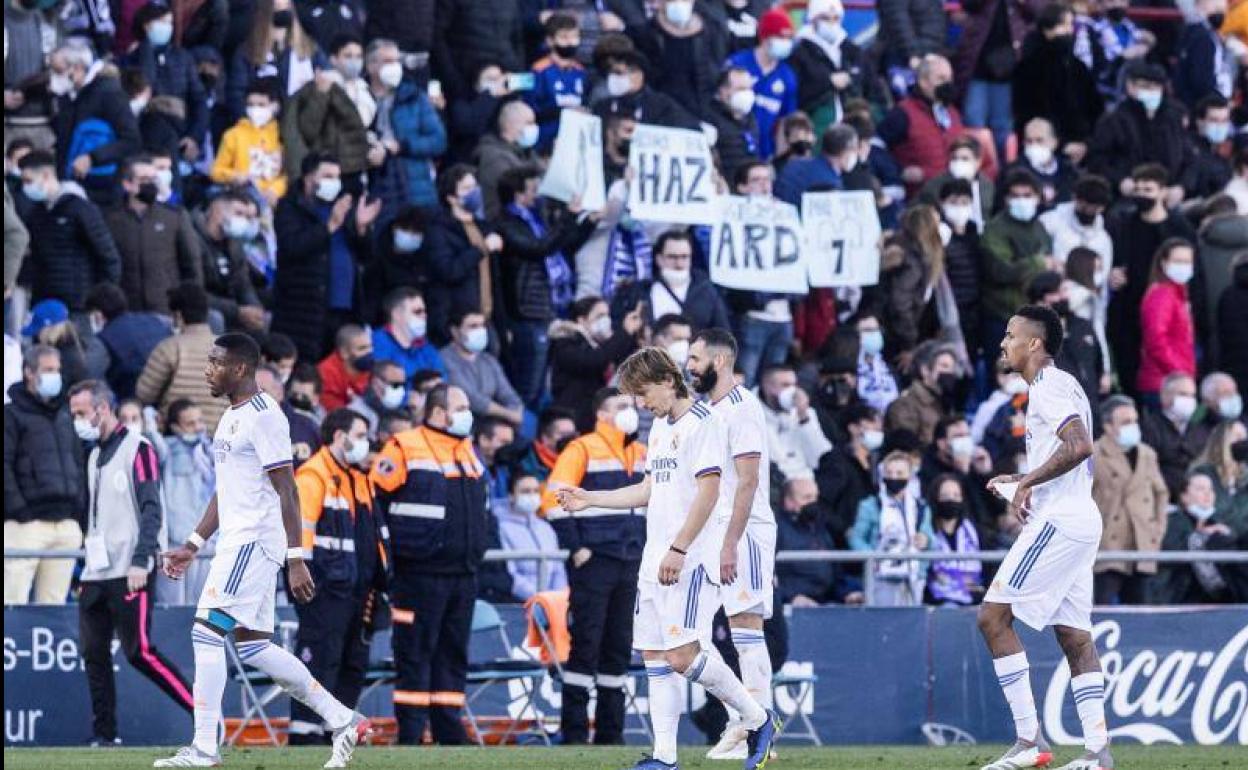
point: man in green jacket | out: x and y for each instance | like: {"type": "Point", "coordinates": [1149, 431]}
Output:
{"type": "Point", "coordinates": [1015, 248]}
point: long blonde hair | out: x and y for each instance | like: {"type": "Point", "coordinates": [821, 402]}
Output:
{"type": "Point", "coordinates": [260, 41]}
{"type": "Point", "coordinates": [1217, 454]}
{"type": "Point", "coordinates": [919, 224]}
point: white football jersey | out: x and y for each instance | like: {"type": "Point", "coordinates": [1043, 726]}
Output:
{"type": "Point", "coordinates": [1054, 399]}
{"type": "Point", "coordinates": [743, 418]}
{"type": "Point", "coordinates": [252, 439]}
{"type": "Point", "coordinates": [677, 454]}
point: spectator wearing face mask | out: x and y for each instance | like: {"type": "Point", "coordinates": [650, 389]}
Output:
{"type": "Point", "coordinates": [560, 80]}
{"type": "Point", "coordinates": [1195, 524]}
{"type": "Point", "coordinates": [172, 72]}
{"type": "Point", "coordinates": [276, 46]}
{"type": "Point", "coordinates": [921, 127]}
{"type": "Point", "coordinates": [1080, 355]}
{"type": "Point", "coordinates": [734, 117]}
{"type": "Point", "coordinates": [491, 439]}
{"type": "Point", "coordinates": [675, 288]}
{"type": "Point", "coordinates": [953, 582]}
{"type": "Point", "coordinates": [685, 49]}
{"type": "Point", "coordinates": [794, 437]}
{"type": "Point", "coordinates": [461, 269]}
{"type": "Point", "coordinates": [1080, 223]}
{"type": "Point", "coordinates": [223, 228]}
{"type": "Point", "coordinates": [410, 128]}
{"type": "Point", "coordinates": [1085, 299]}
{"type": "Point", "coordinates": [929, 396]}
{"type": "Point", "coordinates": [83, 356]}
{"type": "Point", "coordinates": [386, 391]}
{"type": "Point", "coordinates": [826, 171]}
{"type": "Point", "coordinates": [1222, 236]}
{"type": "Point", "coordinates": [1144, 128]}
{"type": "Point", "coordinates": [1041, 158]}
{"type": "Point", "coordinates": [251, 151]}
{"type": "Point", "coordinates": [829, 67]}
{"type": "Point", "coordinates": [583, 350]}
{"type": "Point", "coordinates": [556, 426]}
{"type": "Point", "coordinates": [1220, 400]}
{"type": "Point", "coordinates": [775, 83]}
{"type": "Point", "coordinates": [188, 478]}
{"type": "Point", "coordinates": [1225, 460]}
{"type": "Point", "coordinates": [346, 372]}
{"type": "Point", "coordinates": [1004, 434]}
{"type": "Point", "coordinates": [521, 529]}
{"type": "Point", "coordinates": [1016, 248]}
{"type": "Point", "coordinates": [510, 145]}
{"type": "Point", "coordinates": [850, 468]}
{"type": "Point", "coordinates": [876, 385]}
{"type": "Point", "coordinates": [913, 284]}
{"type": "Point", "coordinates": [953, 451]}
{"type": "Point", "coordinates": [896, 520]}
{"type": "Point", "coordinates": [470, 116]}
{"type": "Point", "coordinates": [129, 337]}
{"type": "Point", "coordinates": [800, 527]}
{"type": "Point", "coordinates": [1170, 430]}
{"type": "Point", "coordinates": [966, 162]}
{"type": "Point", "coordinates": [674, 334]}
{"type": "Point", "coordinates": [629, 94]}
{"type": "Point", "coordinates": [796, 141]}
{"type": "Point", "coordinates": [1205, 66]}
{"type": "Point", "coordinates": [477, 372]}
{"type": "Point", "coordinates": [1210, 170]}
{"type": "Point", "coordinates": [1131, 494]}
{"type": "Point", "coordinates": [404, 339]}
{"type": "Point", "coordinates": [963, 257]}
{"type": "Point", "coordinates": [1008, 386]}
{"type": "Point", "coordinates": [1166, 329]}
{"type": "Point", "coordinates": [175, 370]}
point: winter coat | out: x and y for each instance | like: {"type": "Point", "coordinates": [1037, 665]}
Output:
{"type": "Point", "coordinates": [1050, 82]}
{"type": "Point", "coordinates": [43, 459]}
{"type": "Point", "coordinates": [653, 107]}
{"type": "Point", "coordinates": [161, 127]}
{"type": "Point", "coordinates": [865, 534]}
{"type": "Point", "coordinates": [158, 250]}
{"type": "Point", "coordinates": [453, 272]}
{"type": "Point", "coordinates": [326, 123]}
{"type": "Point", "coordinates": [814, 72]}
{"type": "Point", "coordinates": [406, 22]}
{"type": "Point", "coordinates": [703, 305]}
{"type": "Point", "coordinates": [1233, 328]}
{"type": "Point", "coordinates": [467, 34]}
{"type": "Point", "coordinates": [917, 409]}
{"type": "Point", "coordinates": [422, 138]}
{"type": "Point", "coordinates": [1169, 342]}
{"type": "Point", "coordinates": [256, 153]}
{"type": "Point", "coordinates": [243, 72]}
{"type": "Point", "coordinates": [707, 53]}
{"type": "Point", "coordinates": [1013, 254]}
{"type": "Point", "coordinates": [1196, 75]}
{"type": "Point", "coordinates": [526, 280]}
{"type": "Point", "coordinates": [976, 31]}
{"type": "Point", "coordinates": [910, 28]}
{"type": "Point", "coordinates": [176, 370]}
{"type": "Point", "coordinates": [903, 284]}
{"type": "Point", "coordinates": [71, 248]}
{"type": "Point", "coordinates": [326, 20]}
{"type": "Point", "coordinates": [1175, 450]}
{"type": "Point", "coordinates": [737, 141]}
{"type": "Point", "coordinates": [1125, 137]}
{"type": "Point", "coordinates": [227, 277]}
{"type": "Point", "coordinates": [1220, 240]}
{"type": "Point", "coordinates": [130, 339]}
{"type": "Point", "coordinates": [493, 158]}
{"type": "Point", "coordinates": [173, 72]}
{"type": "Point", "coordinates": [1207, 172]}
{"type": "Point", "coordinates": [814, 579]}
{"type": "Point", "coordinates": [915, 138]}
{"type": "Point", "coordinates": [1132, 501]}
{"type": "Point", "coordinates": [579, 368]}
{"type": "Point", "coordinates": [100, 99]}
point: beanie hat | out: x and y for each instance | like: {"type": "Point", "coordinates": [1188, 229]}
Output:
{"type": "Point", "coordinates": [816, 8]}
{"type": "Point", "coordinates": [774, 23]}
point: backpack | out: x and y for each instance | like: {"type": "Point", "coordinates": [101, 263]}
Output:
{"type": "Point", "coordinates": [90, 135]}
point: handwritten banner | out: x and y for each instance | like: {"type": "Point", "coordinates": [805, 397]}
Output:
{"type": "Point", "coordinates": [576, 164]}
{"type": "Point", "coordinates": [757, 246]}
{"type": "Point", "coordinates": [842, 236]}
{"type": "Point", "coordinates": [673, 176]}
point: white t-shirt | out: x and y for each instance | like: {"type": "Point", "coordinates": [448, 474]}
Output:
{"type": "Point", "coordinates": [677, 454]}
{"type": "Point", "coordinates": [743, 418]}
{"type": "Point", "coordinates": [1054, 400]}
{"type": "Point", "coordinates": [252, 439]}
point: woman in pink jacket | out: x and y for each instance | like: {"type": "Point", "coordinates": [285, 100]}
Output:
{"type": "Point", "coordinates": [1166, 319]}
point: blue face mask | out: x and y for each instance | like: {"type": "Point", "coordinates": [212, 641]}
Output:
{"type": "Point", "coordinates": [160, 32]}
{"type": "Point", "coordinates": [1023, 209]}
{"type": "Point", "coordinates": [1217, 133]}
{"type": "Point", "coordinates": [474, 202]}
{"type": "Point", "coordinates": [407, 241]}
{"type": "Point", "coordinates": [1150, 99]}
{"type": "Point", "coordinates": [872, 341]}
{"type": "Point", "coordinates": [35, 192]}
{"type": "Point", "coordinates": [49, 385]}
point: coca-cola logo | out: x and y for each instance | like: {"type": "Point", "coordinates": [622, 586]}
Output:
{"type": "Point", "coordinates": [1145, 689]}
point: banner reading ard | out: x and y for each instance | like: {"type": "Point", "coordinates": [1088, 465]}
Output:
{"type": "Point", "coordinates": [842, 243]}
{"type": "Point", "coordinates": [757, 246]}
{"type": "Point", "coordinates": [674, 176]}
{"type": "Point", "coordinates": [576, 164]}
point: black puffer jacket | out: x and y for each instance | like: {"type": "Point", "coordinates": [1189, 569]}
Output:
{"type": "Point", "coordinates": [911, 27]}
{"type": "Point", "coordinates": [736, 142]}
{"type": "Point", "coordinates": [71, 248]}
{"type": "Point", "coordinates": [526, 281]}
{"type": "Point", "coordinates": [1126, 137]}
{"type": "Point", "coordinates": [406, 22]}
{"type": "Point", "coordinates": [43, 459]}
{"type": "Point", "coordinates": [100, 99]}
{"type": "Point", "coordinates": [470, 34]}
{"type": "Point", "coordinates": [1233, 328]}
{"type": "Point", "coordinates": [814, 72]}
{"type": "Point", "coordinates": [703, 306]}
{"type": "Point", "coordinates": [707, 52]}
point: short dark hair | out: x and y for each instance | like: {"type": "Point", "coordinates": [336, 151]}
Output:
{"type": "Point", "coordinates": [559, 21]}
{"type": "Point", "coordinates": [438, 398]}
{"type": "Point", "coordinates": [126, 170]}
{"type": "Point", "coordinates": [487, 425]}
{"type": "Point", "coordinates": [396, 297]}
{"type": "Point", "coordinates": [146, 14]}
{"type": "Point", "coordinates": [742, 174]}
{"type": "Point", "coordinates": [313, 160]}
{"type": "Point", "coordinates": [1151, 172]}
{"type": "Point", "coordinates": [342, 40]}
{"type": "Point", "coordinates": [266, 87]}
{"type": "Point", "coordinates": [449, 179]}
{"type": "Point", "coordinates": [837, 138]}
{"type": "Point", "coordinates": [725, 75]}
{"type": "Point", "coordinates": [338, 420]}
{"type": "Point", "coordinates": [1042, 283]}
{"type": "Point", "coordinates": [551, 415]}
{"type": "Point", "coordinates": [967, 142]}
{"type": "Point", "coordinates": [1051, 15]}
{"type": "Point", "coordinates": [1093, 189]}
{"type": "Point", "coordinates": [133, 81]}
{"type": "Point", "coordinates": [108, 298]}
{"type": "Point", "coordinates": [1210, 102]}
{"type": "Point", "coordinates": [603, 396]}
{"type": "Point", "coordinates": [277, 346]}
{"type": "Point", "coordinates": [718, 338]}
{"type": "Point", "coordinates": [175, 410]}
{"type": "Point", "coordinates": [388, 417]}
{"type": "Point", "coordinates": [668, 320]}
{"type": "Point", "coordinates": [513, 181]}
{"type": "Point", "coordinates": [306, 372]}
{"type": "Point", "coordinates": [458, 315]}
{"type": "Point", "coordinates": [517, 477]}
{"type": "Point", "coordinates": [1021, 177]}
{"type": "Point", "coordinates": [411, 218]}
{"type": "Point", "coordinates": [584, 306]}
{"type": "Point", "coordinates": [1049, 322]}
{"type": "Point", "coordinates": [945, 422]}
{"type": "Point", "coordinates": [862, 124]}
{"type": "Point", "coordinates": [191, 301]}
{"type": "Point", "coordinates": [675, 234]}
{"type": "Point", "coordinates": [36, 160]}
{"type": "Point", "coordinates": [240, 348]}
{"type": "Point", "coordinates": [857, 412]}
{"type": "Point", "coordinates": [421, 376]}
{"type": "Point", "coordinates": [952, 187]}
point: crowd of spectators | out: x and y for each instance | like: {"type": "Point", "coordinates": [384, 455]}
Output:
{"type": "Point", "coordinates": [355, 183]}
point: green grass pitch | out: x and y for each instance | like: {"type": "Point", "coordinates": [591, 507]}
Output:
{"type": "Point", "coordinates": [1131, 757]}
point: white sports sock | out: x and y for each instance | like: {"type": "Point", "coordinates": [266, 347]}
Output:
{"type": "Point", "coordinates": [294, 677]}
{"type": "Point", "coordinates": [1014, 676]}
{"type": "Point", "coordinates": [665, 689]}
{"type": "Point", "coordinates": [713, 673]}
{"type": "Point", "coordinates": [1089, 691]}
{"type": "Point", "coordinates": [210, 675]}
{"type": "Point", "coordinates": [755, 663]}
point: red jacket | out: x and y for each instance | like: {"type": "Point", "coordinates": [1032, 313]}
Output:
{"type": "Point", "coordinates": [927, 144]}
{"type": "Point", "coordinates": [1169, 343]}
{"type": "Point", "coordinates": [337, 386]}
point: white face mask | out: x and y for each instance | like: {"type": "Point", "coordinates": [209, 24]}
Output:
{"type": "Point", "coordinates": [849, 162]}
{"type": "Point", "coordinates": [679, 12]}
{"type": "Point", "coordinates": [528, 503]}
{"type": "Point", "coordinates": [477, 339]}
{"type": "Point", "coordinates": [85, 430]}
{"type": "Point", "coordinates": [962, 446]}
{"type": "Point", "coordinates": [742, 101]}
{"type": "Point", "coordinates": [1129, 436]}
{"type": "Point", "coordinates": [48, 385]}
{"type": "Point", "coordinates": [780, 47]}
{"type": "Point", "coordinates": [357, 453]}
{"type": "Point", "coordinates": [327, 189]}
{"type": "Point", "coordinates": [390, 74]}
{"type": "Point", "coordinates": [137, 106]}
{"type": "Point", "coordinates": [962, 169]}
{"type": "Point", "coordinates": [832, 32]}
{"type": "Point", "coordinates": [619, 84]}
{"type": "Point", "coordinates": [787, 398]}
{"type": "Point", "coordinates": [60, 84]}
{"type": "Point", "coordinates": [1179, 272]}
{"type": "Point", "coordinates": [600, 329]}
{"type": "Point", "coordinates": [957, 215]}
{"type": "Point", "coordinates": [460, 423]}
{"type": "Point", "coordinates": [1231, 407]}
{"type": "Point", "coordinates": [679, 351]}
{"type": "Point", "coordinates": [627, 421]}
{"type": "Point", "coordinates": [259, 116]}
{"type": "Point", "coordinates": [164, 179]}
{"type": "Point", "coordinates": [1077, 294]}
{"type": "Point", "coordinates": [1201, 513]}
{"type": "Point", "coordinates": [677, 278]}
{"type": "Point", "coordinates": [393, 397]}
{"type": "Point", "coordinates": [1023, 209]}
{"type": "Point", "coordinates": [418, 326]}
{"type": "Point", "coordinates": [1038, 154]}
{"type": "Point", "coordinates": [1183, 407]}
{"type": "Point", "coordinates": [528, 136]}
{"type": "Point", "coordinates": [872, 439]}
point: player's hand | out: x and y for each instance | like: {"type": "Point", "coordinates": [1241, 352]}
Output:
{"type": "Point", "coordinates": [1020, 506]}
{"type": "Point", "coordinates": [300, 580]}
{"type": "Point", "coordinates": [1007, 478]}
{"type": "Point", "coordinates": [572, 499]}
{"type": "Point", "coordinates": [580, 556]}
{"type": "Point", "coordinates": [174, 563]}
{"type": "Point", "coordinates": [136, 579]}
{"type": "Point", "coordinates": [728, 563]}
{"type": "Point", "coordinates": [670, 567]}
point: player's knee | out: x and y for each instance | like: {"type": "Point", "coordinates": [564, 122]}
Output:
{"type": "Point", "coordinates": [681, 658]}
{"type": "Point", "coordinates": [991, 619]}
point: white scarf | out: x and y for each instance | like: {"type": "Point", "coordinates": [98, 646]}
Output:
{"type": "Point", "coordinates": [898, 525]}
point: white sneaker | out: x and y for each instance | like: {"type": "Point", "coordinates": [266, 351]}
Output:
{"type": "Point", "coordinates": [346, 739]}
{"type": "Point", "coordinates": [1100, 760]}
{"type": "Point", "coordinates": [189, 756]}
{"type": "Point", "coordinates": [732, 744]}
{"type": "Point", "coordinates": [1024, 754]}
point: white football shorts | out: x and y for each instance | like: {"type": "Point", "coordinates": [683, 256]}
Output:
{"type": "Point", "coordinates": [242, 583]}
{"type": "Point", "coordinates": [1046, 578]}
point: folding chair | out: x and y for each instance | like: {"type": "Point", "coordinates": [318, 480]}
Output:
{"type": "Point", "coordinates": [485, 619]}
{"type": "Point", "coordinates": [800, 687]}
{"type": "Point", "coordinates": [253, 703]}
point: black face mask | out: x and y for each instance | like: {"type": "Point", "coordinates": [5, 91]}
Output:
{"type": "Point", "coordinates": [705, 382]}
{"type": "Point", "coordinates": [1216, 19]}
{"type": "Point", "coordinates": [946, 94]}
{"type": "Point", "coordinates": [566, 51]}
{"type": "Point", "coordinates": [147, 193]}
{"type": "Point", "coordinates": [1065, 43]}
{"type": "Point", "coordinates": [1061, 307]}
{"type": "Point", "coordinates": [300, 401]}
{"type": "Point", "coordinates": [624, 146]}
{"type": "Point", "coordinates": [809, 512]}
{"type": "Point", "coordinates": [836, 392]}
{"type": "Point", "coordinates": [950, 509]}
{"type": "Point", "coordinates": [1116, 15]}
{"type": "Point", "coordinates": [801, 147]}
{"type": "Point", "coordinates": [1239, 451]}
{"type": "Point", "coordinates": [1084, 218]}
{"type": "Point", "coordinates": [363, 363]}
{"type": "Point", "coordinates": [283, 19]}
{"type": "Point", "coordinates": [1143, 202]}
{"type": "Point", "coordinates": [947, 384]}
{"type": "Point", "coordinates": [894, 486]}
{"type": "Point", "coordinates": [209, 81]}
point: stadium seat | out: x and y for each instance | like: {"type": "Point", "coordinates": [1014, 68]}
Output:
{"type": "Point", "coordinates": [503, 670]}
{"type": "Point", "coordinates": [800, 687]}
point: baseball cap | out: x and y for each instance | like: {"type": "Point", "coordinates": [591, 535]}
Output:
{"type": "Point", "coordinates": [48, 312]}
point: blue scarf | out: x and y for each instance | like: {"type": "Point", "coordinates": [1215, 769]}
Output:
{"type": "Point", "coordinates": [950, 581]}
{"type": "Point", "coordinates": [558, 274]}
{"type": "Point", "coordinates": [628, 257]}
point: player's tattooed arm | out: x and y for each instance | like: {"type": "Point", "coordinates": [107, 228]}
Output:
{"type": "Point", "coordinates": [1076, 447]}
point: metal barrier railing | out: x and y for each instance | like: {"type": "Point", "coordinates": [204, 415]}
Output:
{"type": "Point", "coordinates": [867, 558]}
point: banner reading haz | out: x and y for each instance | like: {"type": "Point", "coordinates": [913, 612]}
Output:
{"type": "Point", "coordinates": [842, 243]}
{"type": "Point", "coordinates": [673, 176]}
{"type": "Point", "coordinates": [576, 164]}
{"type": "Point", "coordinates": [757, 246]}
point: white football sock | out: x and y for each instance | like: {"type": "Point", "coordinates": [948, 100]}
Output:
{"type": "Point", "coordinates": [666, 696]}
{"type": "Point", "coordinates": [1089, 691]}
{"type": "Point", "coordinates": [713, 673]}
{"type": "Point", "coordinates": [755, 663]}
{"type": "Point", "coordinates": [209, 688]}
{"type": "Point", "coordinates": [294, 677]}
{"type": "Point", "coordinates": [1014, 676]}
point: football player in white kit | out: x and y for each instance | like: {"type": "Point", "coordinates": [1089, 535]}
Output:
{"type": "Point", "coordinates": [748, 554]}
{"type": "Point", "coordinates": [256, 510]}
{"type": "Point", "coordinates": [1046, 579]}
{"type": "Point", "coordinates": [677, 594]}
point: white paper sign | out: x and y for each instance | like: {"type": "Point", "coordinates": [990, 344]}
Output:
{"type": "Point", "coordinates": [842, 238]}
{"type": "Point", "coordinates": [576, 164]}
{"type": "Point", "coordinates": [757, 246]}
{"type": "Point", "coordinates": [673, 176]}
